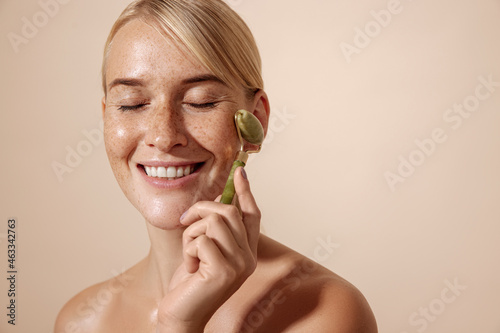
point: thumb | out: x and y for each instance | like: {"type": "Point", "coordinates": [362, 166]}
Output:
{"type": "Point", "coordinates": [249, 209]}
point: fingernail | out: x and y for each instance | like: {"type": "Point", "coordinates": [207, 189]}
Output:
{"type": "Point", "coordinates": [183, 215]}
{"type": "Point", "coordinates": [244, 173]}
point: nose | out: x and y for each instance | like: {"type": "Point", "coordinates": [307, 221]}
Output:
{"type": "Point", "coordinates": [165, 129]}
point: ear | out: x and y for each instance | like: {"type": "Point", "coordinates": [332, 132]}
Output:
{"type": "Point", "coordinates": [103, 105]}
{"type": "Point", "coordinates": [261, 108]}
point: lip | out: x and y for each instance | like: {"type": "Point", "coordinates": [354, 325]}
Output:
{"type": "Point", "coordinates": [164, 183]}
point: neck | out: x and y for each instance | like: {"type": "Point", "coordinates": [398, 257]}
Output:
{"type": "Point", "coordinates": [164, 257]}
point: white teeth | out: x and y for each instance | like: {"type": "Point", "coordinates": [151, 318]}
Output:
{"type": "Point", "coordinates": [161, 172]}
{"type": "Point", "coordinates": [170, 173]}
{"type": "Point", "coordinates": [180, 172]}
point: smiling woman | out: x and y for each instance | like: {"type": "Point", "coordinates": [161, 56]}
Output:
{"type": "Point", "coordinates": [174, 74]}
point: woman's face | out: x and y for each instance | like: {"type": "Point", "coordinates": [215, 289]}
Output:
{"type": "Point", "coordinates": [168, 125]}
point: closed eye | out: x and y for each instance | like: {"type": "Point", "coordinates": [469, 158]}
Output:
{"type": "Point", "coordinates": [203, 105]}
{"type": "Point", "coordinates": [131, 107]}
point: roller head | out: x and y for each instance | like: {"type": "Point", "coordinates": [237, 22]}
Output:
{"type": "Point", "coordinates": [250, 127]}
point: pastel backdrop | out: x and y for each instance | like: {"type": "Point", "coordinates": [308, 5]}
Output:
{"type": "Point", "coordinates": [382, 161]}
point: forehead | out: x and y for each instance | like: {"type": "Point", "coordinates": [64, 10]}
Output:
{"type": "Point", "coordinates": [139, 50]}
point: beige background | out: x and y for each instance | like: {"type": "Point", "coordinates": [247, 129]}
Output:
{"type": "Point", "coordinates": [339, 127]}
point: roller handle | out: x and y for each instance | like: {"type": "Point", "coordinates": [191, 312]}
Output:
{"type": "Point", "coordinates": [229, 191]}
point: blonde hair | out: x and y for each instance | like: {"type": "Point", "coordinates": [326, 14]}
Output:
{"type": "Point", "coordinates": [208, 29]}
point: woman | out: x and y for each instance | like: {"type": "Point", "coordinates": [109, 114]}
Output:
{"type": "Point", "coordinates": [174, 73]}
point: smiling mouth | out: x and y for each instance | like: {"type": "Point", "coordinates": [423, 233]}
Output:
{"type": "Point", "coordinates": [171, 172]}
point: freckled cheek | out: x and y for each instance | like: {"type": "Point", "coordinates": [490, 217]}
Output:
{"type": "Point", "coordinates": [224, 141]}
{"type": "Point", "coordinates": [119, 139]}
{"type": "Point", "coordinates": [220, 138]}
{"type": "Point", "coordinates": [230, 142]}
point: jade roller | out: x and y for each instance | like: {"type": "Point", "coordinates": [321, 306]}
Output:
{"type": "Point", "coordinates": [249, 130]}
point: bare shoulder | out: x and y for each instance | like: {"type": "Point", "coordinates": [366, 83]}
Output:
{"type": "Point", "coordinates": [78, 313]}
{"type": "Point", "coordinates": [340, 308]}
{"type": "Point", "coordinates": [89, 309]}
{"type": "Point", "coordinates": [303, 296]}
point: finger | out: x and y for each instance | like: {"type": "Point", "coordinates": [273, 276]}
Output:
{"type": "Point", "coordinates": [191, 260]}
{"type": "Point", "coordinates": [229, 213]}
{"type": "Point", "coordinates": [217, 230]}
{"type": "Point", "coordinates": [236, 203]}
{"type": "Point", "coordinates": [205, 251]}
{"type": "Point", "coordinates": [250, 210]}
{"type": "Point", "coordinates": [190, 256]}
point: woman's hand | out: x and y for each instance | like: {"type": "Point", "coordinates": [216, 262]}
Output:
{"type": "Point", "coordinates": [220, 253]}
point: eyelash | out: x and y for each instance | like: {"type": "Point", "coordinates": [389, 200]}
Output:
{"type": "Point", "coordinates": [210, 105]}
{"type": "Point", "coordinates": [203, 106]}
{"type": "Point", "coordinates": [130, 107]}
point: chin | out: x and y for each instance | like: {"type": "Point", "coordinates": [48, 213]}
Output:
{"type": "Point", "coordinates": [163, 224]}
{"type": "Point", "coordinates": [162, 213]}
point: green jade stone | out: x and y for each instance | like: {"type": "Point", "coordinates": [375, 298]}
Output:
{"type": "Point", "coordinates": [250, 127]}
{"type": "Point", "coordinates": [252, 132]}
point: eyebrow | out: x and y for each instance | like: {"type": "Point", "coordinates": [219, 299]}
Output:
{"type": "Point", "coordinates": [126, 82]}
{"type": "Point", "coordinates": [131, 82]}
{"type": "Point", "coordinates": [203, 78]}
